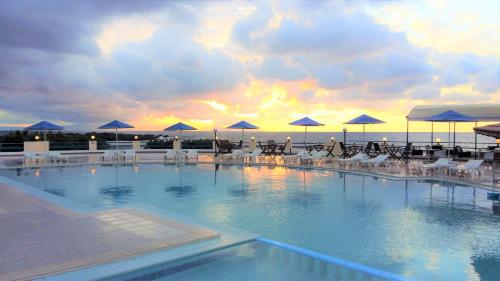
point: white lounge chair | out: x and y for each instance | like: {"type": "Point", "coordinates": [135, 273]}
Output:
{"type": "Point", "coordinates": [253, 155]}
{"type": "Point", "coordinates": [470, 167]}
{"type": "Point", "coordinates": [192, 154]}
{"type": "Point", "coordinates": [440, 163]}
{"type": "Point", "coordinates": [377, 161]}
{"type": "Point", "coordinates": [236, 154]}
{"type": "Point", "coordinates": [109, 155]}
{"type": "Point", "coordinates": [295, 157]}
{"type": "Point", "coordinates": [356, 158]}
{"type": "Point", "coordinates": [130, 155]}
{"type": "Point", "coordinates": [170, 155]}
{"type": "Point", "coordinates": [316, 156]}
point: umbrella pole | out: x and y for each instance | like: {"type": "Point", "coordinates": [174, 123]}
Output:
{"type": "Point", "coordinates": [454, 133]}
{"type": "Point", "coordinates": [475, 143]}
{"type": "Point", "coordinates": [449, 152]}
{"type": "Point", "coordinates": [305, 136]}
{"type": "Point", "coordinates": [432, 133]}
{"type": "Point", "coordinates": [363, 133]}
{"type": "Point", "coordinates": [116, 139]}
{"type": "Point", "coordinates": [242, 135]}
{"type": "Point", "coordinates": [44, 135]}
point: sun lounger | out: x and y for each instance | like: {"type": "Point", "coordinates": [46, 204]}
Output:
{"type": "Point", "coordinates": [356, 158]}
{"type": "Point", "coordinates": [292, 158]}
{"type": "Point", "coordinates": [316, 156]}
{"type": "Point", "coordinates": [253, 155]}
{"type": "Point", "coordinates": [236, 154]}
{"type": "Point", "coordinates": [440, 163]}
{"type": "Point", "coordinates": [377, 161]}
{"type": "Point", "coordinates": [470, 167]}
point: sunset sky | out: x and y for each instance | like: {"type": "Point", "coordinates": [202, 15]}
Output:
{"type": "Point", "coordinates": [211, 64]}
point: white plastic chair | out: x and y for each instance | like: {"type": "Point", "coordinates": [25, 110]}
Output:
{"type": "Point", "coordinates": [192, 154]}
{"type": "Point", "coordinates": [469, 167]}
{"type": "Point", "coordinates": [170, 155]}
{"type": "Point", "coordinates": [109, 155]}
{"type": "Point", "coordinates": [295, 157]}
{"type": "Point", "coordinates": [56, 156]}
{"type": "Point", "coordinates": [130, 155]}
{"type": "Point", "coordinates": [316, 156]}
{"type": "Point", "coordinates": [356, 158]}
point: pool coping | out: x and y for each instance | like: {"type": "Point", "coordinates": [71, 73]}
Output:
{"type": "Point", "coordinates": [226, 238]}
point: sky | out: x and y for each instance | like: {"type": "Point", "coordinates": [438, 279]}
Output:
{"type": "Point", "coordinates": [213, 63]}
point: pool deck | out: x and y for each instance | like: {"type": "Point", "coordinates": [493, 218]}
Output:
{"type": "Point", "coordinates": [40, 238]}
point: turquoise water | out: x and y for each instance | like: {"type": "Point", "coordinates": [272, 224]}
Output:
{"type": "Point", "coordinates": [421, 229]}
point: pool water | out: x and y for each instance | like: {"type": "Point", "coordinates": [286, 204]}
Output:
{"type": "Point", "coordinates": [426, 230]}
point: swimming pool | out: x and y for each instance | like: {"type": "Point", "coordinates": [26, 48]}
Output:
{"type": "Point", "coordinates": [422, 229]}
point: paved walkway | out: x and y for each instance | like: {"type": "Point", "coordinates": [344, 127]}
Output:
{"type": "Point", "coordinates": [38, 238]}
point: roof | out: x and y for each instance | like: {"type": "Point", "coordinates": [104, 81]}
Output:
{"type": "Point", "coordinates": [450, 116]}
{"type": "Point", "coordinates": [480, 112]}
{"type": "Point", "coordinates": [492, 130]}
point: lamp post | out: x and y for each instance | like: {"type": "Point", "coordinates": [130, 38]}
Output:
{"type": "Point", "coordinates": [215, 139]}
{"type": "Point", "coordinates": [438, 141]}
{"type": "Point", "coordinates": [345, 134]}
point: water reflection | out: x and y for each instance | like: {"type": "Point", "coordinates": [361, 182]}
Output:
{"type": "Point", "coordinates": [180, 190]}
{"type": "Point", "coordinates": [304, 197]}
{"type": "Point", "coordinates": [243, 189]}
{"type": "Point", "coordinates": [117, 193]}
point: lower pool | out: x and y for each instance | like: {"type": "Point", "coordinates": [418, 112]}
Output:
{"type": "Point", "coordinates": [426, 230]}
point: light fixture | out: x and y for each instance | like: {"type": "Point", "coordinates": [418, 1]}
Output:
{"type": "Point", "coordinates": [384, 139]}
{"type": "Point", "coordinates": [136, 137]}
{"type": "Point", "coordinates": [498, 142]}
{"type": "Point", "coordinates": [438, 140]}
{"type": "Point", "coordinates": [176, 137]}
{"type": "Point", "coordinates": [253, 138]}
{"type": "Point", "coordinates": [332, 139]}
{"type": "Point", "coordinates": [37, 137]}
{"type": "Point", "coordinates": [288, 138]}
{"type": "Point", "coordinates": [92, 137]}
{"type": "Point", "coordinates": [344, 130]}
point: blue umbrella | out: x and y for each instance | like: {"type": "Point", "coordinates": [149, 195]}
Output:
{"type": "Point", "coordinates": [44, 126]}
{"type": "Point", "coordinates": [450, 116]}
{"type": "Point", "coordinates": [305, 122]}
{"type": "Point", "coordinates": [243, 125]}
{"type": "Point", "coordinates": [115, 124]}
{"type": "Point", "coordinates": [180, 127]}
{"type": "Point", "coordinates": [363, 120]}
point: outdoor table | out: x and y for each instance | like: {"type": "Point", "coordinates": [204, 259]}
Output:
{"type": "Point", "coordinates": [396, 152]}
{"type": "Point", "coordinates": [269, 149]}
{"type": "Point", "coordinates": [354, 149]}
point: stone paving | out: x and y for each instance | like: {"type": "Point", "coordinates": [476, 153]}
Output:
{"type": "Point", "coordinates": [38, 238]}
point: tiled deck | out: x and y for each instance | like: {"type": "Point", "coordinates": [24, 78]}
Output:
{"type": "Point", "coordinates": [38, 238]}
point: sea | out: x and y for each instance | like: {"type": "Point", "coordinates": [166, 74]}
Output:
{"type": "Point", "coordinates": [464, 139]}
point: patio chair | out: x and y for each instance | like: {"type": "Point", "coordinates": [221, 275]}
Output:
{"type": "Point", "coordinates": [460, 153]}
{"type": "Point", "coordinates": [130, 155]}
{"type": "Point", "coordinates": [376, 148]}
{"type": "Point", "coordinates": [192, 154]}
{"type": "Point", "coordinates": [253, 155]}
{"type": "Point", "coordinates": [345, 152]}
{"type": "Point", "coordinates": [470, 167]}
{"type": "Point", "coordinates": [170, 155]}
{"type": "Point", "coordinates": [368, 148]}
{"type": "Point", "coordinates": [281, 148]}
{"type": "Point", "coordinates": [32, 156]}
{"type": "Point", "coordinates": [377, 161]}
{"type": "Point", "coordinates": [109, 155]}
